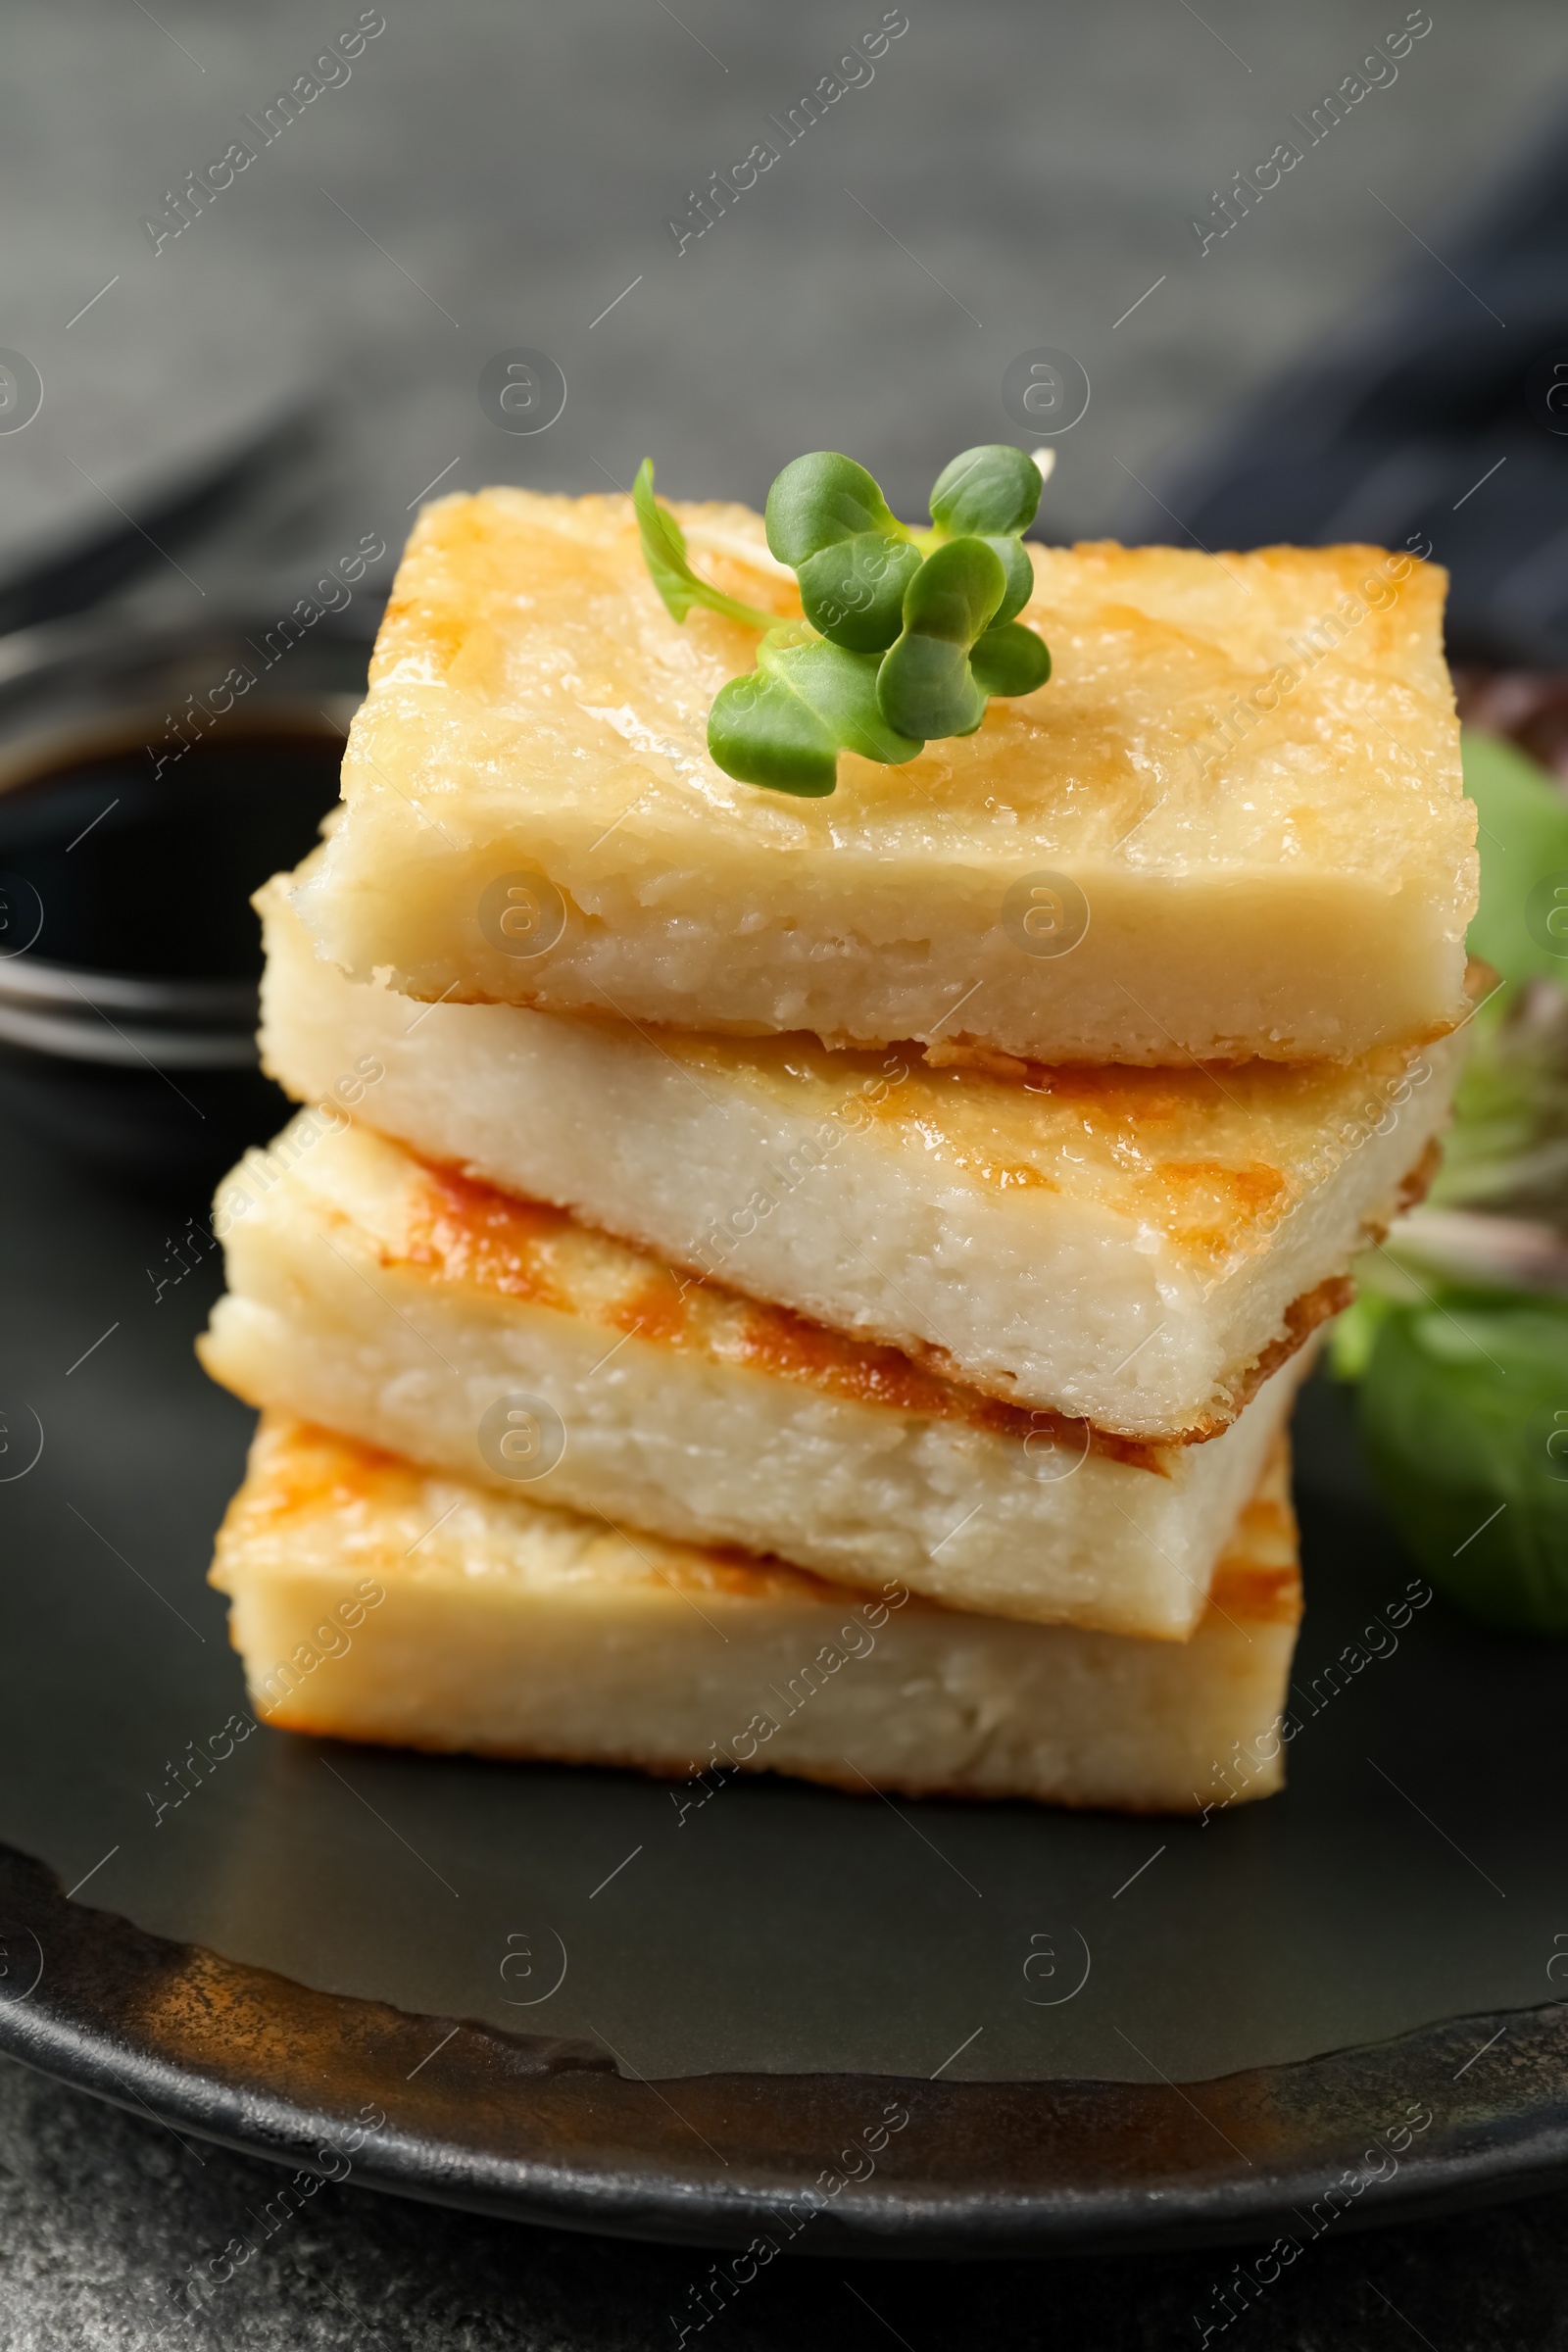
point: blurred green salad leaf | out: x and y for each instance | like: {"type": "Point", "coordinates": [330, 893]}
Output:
{"type": "Point", "coordinates": [1464, 1418]}
{"type": "Point", "coordinates": [1464, 1390]}
{"type": "Point", "coordinates": [1522, 925]}
{"type": "Point", "coordinates": [1507, 1150]}
{"type": "Point", "coordinates": [931, 613]}
{"type": "Point", "coordinates": [1353, 1332]}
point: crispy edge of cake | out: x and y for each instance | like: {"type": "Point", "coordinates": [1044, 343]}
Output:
{"type": "Point", "coordinates": [779, 1343]}
{"type": "Point", "coordinates": [298, 1469]}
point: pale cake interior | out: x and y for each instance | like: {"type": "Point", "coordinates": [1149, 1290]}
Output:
{"type": "Point", "coordinates": [1245, 768]}
{"type": "Point", "coordinates": [1127, 1246]}
{"type": "Point", "coordinates": [403, 1303]}
{"type": "Point", "coordinates": [373, 1601]}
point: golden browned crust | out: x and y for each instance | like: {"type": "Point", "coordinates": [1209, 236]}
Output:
{"type": "Point", "coordinates": [300, 1469]}
{"type": "Point", "coordinates": [468, 1231]}
{"type": "Point", "coordinates": [1305, 1315]}
{"type": "Point", "coordinates": [1418, 1183]}
{"type": "Point", "coordinates": [464, 1230]}
{"type": "Point", "coordinates": [473, 1232]}
{"type": "Point", "coordinates": [1257, 1579]}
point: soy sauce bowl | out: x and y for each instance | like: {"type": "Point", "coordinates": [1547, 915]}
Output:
{"type": "Point", "coordinates": [135, 820]}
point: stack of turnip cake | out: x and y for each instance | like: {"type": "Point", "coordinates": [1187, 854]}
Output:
{"type": "Point", "coordinates": [819, 1285]}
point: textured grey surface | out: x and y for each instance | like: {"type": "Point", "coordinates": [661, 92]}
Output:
{"type": "Point", "coordinates": [100, 2215]}
{"type": "Point", "coordinates": [1017, 174]}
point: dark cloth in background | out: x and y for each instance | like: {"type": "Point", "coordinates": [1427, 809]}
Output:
{"type": "Point", "coordinates": [1442, 415]}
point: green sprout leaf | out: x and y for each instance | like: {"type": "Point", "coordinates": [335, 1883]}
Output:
{"type": "Point", "coordinates": [665, 554]}
{"type": "Point", "coordinates": [925, 686]}
{"type": "Point", "coordinates": [854, 592]}
{"type": "Point", "coordinates": [827, 517]}
{"type": "Point", "coordinates": [821, 499]}
{"type": "Point", "coordinates": [1014, 557]}
{"type": "Point", "coordinates": [1008, 660]}
{"type": "Point", "coordinates": [785, 726]}
{"type": "Point", "coordinates": [992, 492]}
{"type": "Point", "coordinates": [906, 634]}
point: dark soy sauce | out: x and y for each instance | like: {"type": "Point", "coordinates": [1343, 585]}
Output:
{"type": "Point", "coordinates": [152, 876]}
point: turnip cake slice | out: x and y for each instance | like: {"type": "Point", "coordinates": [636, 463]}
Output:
{"type": "Point", "coordinates": [1231, 824]}
{"type": "Point", "coordinates": [1136, 1248]}
{"type": "Point", "coordinates": [370, 1601]}
{"type": "Point", "coordinates": [496, 1338]}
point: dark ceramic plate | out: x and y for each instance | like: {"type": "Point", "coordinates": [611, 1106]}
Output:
{"type": "Point", "coordinates": [850, 2026]}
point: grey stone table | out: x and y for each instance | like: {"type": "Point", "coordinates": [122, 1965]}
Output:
{"type": "Point", "coordinates": [100, 2211]}
{"type": "Point", "coordinates": [1005, 174]}
{"type": "Point", "coordinates": [477, 177]}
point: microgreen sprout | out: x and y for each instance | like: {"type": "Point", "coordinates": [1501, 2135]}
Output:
{"type": "Point", "coordinates": [828, 520]}
{"type": "Point", "coordinates": [906, 634]}
{"type": "Point", "coordinates": [807, 701]}
{"type": "Point", "coordinates": [665, 554]}
{"type": "Point", "coordinates": [925, 681]}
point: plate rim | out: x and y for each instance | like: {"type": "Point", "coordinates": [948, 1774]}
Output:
{"type": "Point", "coordinates": [1054, 2167]}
